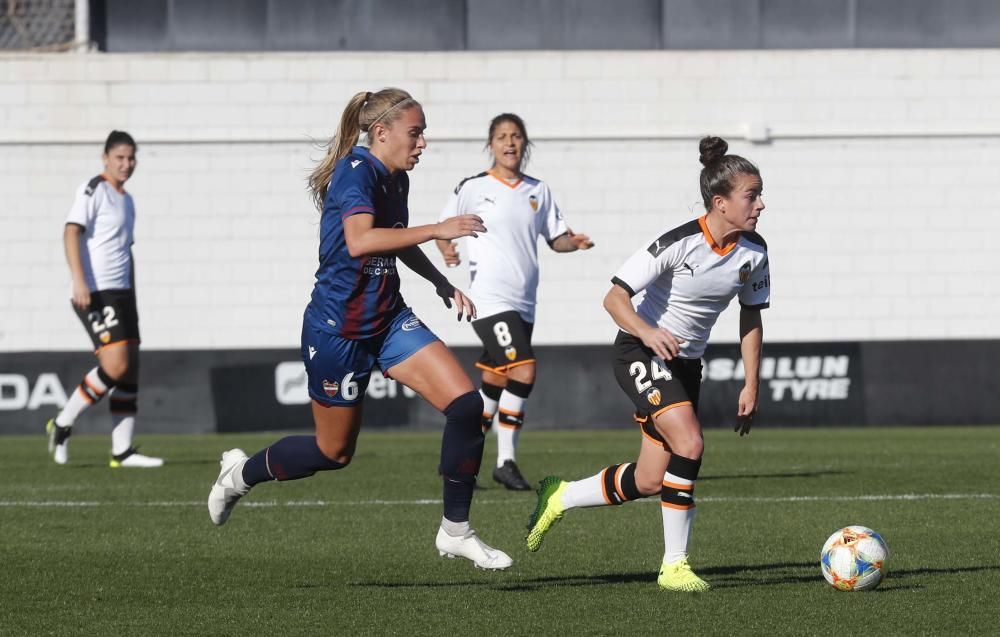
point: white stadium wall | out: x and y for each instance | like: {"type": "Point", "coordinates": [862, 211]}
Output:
{"type": "Point", "coordinates": [879, 170]}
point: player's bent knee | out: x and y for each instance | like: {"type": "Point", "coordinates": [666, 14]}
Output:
{"type": "Point", "coordinates": [468, 406]}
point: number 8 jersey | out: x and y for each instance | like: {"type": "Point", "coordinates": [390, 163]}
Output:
{"type": "Point", "coordinates": [689, 280]}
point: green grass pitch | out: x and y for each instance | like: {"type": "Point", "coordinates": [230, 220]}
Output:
{"type": "Point", "coordinates": [86, 550]}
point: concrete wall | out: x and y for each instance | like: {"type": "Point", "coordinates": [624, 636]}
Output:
{"type": "Point", "coordinates": [878, 169]}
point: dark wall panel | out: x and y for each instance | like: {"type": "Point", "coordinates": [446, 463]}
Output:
{"type": "Point", "coordinates": [928, 23]}
{"type": "Point", "coordinates": [366, 25]}
{"type": "Point", "coordinates": [804, 24]}
{"type": "Point", "coordinates": [136, 25]}
{"type": "Point", "coordinates": [446, 25]}
{"type": "Point", "coordinates": [803, 385]}
{"type": "Point", "coordinates": [711, 24]}
{"type": "Point", "coordinates": [219, 25]}
{"type": "Point", "coordinates": [563, 24]}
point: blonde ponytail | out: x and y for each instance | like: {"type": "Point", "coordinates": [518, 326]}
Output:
{"type": "Point", "coordinates": [362, 111]}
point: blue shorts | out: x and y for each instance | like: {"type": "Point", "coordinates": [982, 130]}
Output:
{"type": "Point", "coordinates": [339, 368]}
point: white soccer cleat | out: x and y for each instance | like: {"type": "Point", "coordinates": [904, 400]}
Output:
{"type": "Point", "coordinates": [228, 488]}
{"type": "Point", "coordinates": [61, 453]}
{"type": "Point", "coordinates": [131, 458]}
{"type": "Point", "coordinates": [471, 547]}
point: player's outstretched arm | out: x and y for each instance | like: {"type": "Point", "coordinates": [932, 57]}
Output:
{"type": "Point", "coordinates": [571, 241]}
{"type": "Point", "coordinates": [751, 343]}
{"type": "Point", "coordinates": [364, 239]}
{"type": "Point", "coordinates": [415, 259]}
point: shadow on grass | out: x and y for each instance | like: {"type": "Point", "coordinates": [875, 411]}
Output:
{"type": "Point", "coordinates": [720, 577]}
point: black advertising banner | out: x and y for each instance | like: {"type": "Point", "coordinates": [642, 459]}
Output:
{"type": "Point", "coordinates": [802, 385]}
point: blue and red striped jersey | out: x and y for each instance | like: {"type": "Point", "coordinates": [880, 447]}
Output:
{"type": "Point", "coordinates": [358, 297]}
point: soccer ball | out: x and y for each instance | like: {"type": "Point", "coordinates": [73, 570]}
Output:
{"type": "Point", "coordinates": [854, 559]}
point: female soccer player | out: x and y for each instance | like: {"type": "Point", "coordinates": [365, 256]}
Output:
{"type": "Point", "coordinates": [357, 319]}
{"type": "Point", "coordinates": [504, 269]}
{"type": "Point", "coordinates": [98, 243]}
{"type": "Point", "coordinates": [690, 274]}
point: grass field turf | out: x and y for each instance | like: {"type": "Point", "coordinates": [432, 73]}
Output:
{"type": "Point", "coordinates": [86, 550]}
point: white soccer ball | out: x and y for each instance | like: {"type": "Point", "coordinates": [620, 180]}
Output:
{"type": "Point", "coordinates": [854, 559]}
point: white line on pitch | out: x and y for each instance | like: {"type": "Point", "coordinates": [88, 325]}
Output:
{"type": "Point", "coordinates": [422, 502]}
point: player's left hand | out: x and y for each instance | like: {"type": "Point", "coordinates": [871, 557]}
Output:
{"type": "Point", "coordinates": [581, 241]}
{"type": "Point", "coordinates": [463, 304]}
{"type": "Point", "coordinates": [747, 411]}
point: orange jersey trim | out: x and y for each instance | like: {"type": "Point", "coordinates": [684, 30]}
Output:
{"type": "Point", "coordinates": [711, 240]}
{"type": "Point", "coordinates": [512, 186]}
{"type": "Point", "coordinates": [650, 438]}
{"type": "Point", "coordinates": [671, 406]}
{"type": "Point", "coordinates": [604, 487]}
{"type": "Point", "coordinates": [499, 371]}
{"type": "Point", "coordinates": [680, 487]}
{"type": "Point", "coordinates": [679, 507]}
{"type": "Point", "coordinates": [518, 364]}
{"type": "Point", "coordinates": [124, 341]}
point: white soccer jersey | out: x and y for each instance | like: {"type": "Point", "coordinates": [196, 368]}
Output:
{"type": "Point", "coordinates": [689, 281]}
{"type": "Point", "coordinates": [108, 219]}
{"type": "Point", "coordinates": [503, 262]}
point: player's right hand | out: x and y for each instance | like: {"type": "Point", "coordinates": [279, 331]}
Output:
{"type": "Point", "coordinates": [460, 226]}
{"type": "Point", "coordinates": [663, 343]}
{"type": "Point", "coordinates": [81, 295]}
{"type": "Point", "coordinates": [450, 254]}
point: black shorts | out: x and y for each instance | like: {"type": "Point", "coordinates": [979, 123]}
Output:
{"type": "Point", "coordinates": [111, 318]}
{"type": "Point", "coordinates": [506, 341]}
{"type": "Point", "coordinates": [653, 384]}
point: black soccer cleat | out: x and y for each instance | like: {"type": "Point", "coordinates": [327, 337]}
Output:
{"type": "Point", "coordinates": [510, 476]}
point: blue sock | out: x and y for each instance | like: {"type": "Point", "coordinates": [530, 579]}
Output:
{"type": "Point", "coordinates": [461, 454]}
{"type": "Point", "coordinates": [290, 458]}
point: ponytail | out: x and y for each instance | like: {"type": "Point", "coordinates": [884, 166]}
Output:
{"type": "Point", "coordinates": [362, 111]}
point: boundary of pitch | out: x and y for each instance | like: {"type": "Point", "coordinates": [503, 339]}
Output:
{"type": "Point", "coordinates": [424, 502]}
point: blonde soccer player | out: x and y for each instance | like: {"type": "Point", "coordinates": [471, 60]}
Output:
{"type": "Point", "coordinates": [357, 319]}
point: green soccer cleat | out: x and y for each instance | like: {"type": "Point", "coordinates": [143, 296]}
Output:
{"type": "Point", "coordinates": [678, 576]}
{"type": "Point", "coordinates": [548, 511]}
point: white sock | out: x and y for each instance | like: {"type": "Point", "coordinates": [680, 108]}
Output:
{"type": "Point", "coordinates": [677, 524]}
{"type": "Point", "coordinates": [509, 426]}
{"type": "Point", "coordinates": [588, 492]}
{"type": "Point", "coordinates": [455, 529]}
{"type": "Point", "coordinates": [506, 443]}
{"type": "Point", "coordinates": [489, 406]}
{"type": "Point", "coordinates": [80, 399]}
{"type": "Point", "coordinates": [122, 419]}
{"type": "Point", "coordinates": [121, 434]}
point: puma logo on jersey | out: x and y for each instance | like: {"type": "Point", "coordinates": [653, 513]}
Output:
{"type": "Point", "coordinates": [354, 164]}
{"type": "Point", "coordinates": [689, 267]}
{"type": "Point", "coordinates": [656, 248]}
